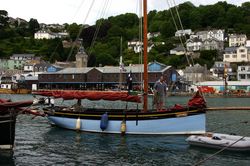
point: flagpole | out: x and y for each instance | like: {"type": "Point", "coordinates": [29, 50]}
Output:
{"type": "Point", "coordinates": [121, 66]}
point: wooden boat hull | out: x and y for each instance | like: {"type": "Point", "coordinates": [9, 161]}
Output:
{"type": "Point", "coordinates": [7, 128]}
{"type": "Point", "coordinates": [16, 91]}
{"type": "Point", "coordinates": [166, 122]}
{"type": "Point", "coordinates": [219, 141]}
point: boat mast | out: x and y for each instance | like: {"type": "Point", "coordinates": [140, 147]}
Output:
{"type": "Point", "coordinates": [145, 56]}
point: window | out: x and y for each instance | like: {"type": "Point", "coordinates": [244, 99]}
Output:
{"type": "Point", "coordinates": [242, 76]}
{"type": "Point", "coordinates": [234, 56]}
{"type": "Point", "coordinates": [242, 68]}
{"type": "Point", "coordinates": [243, 56]}
{"type": "Point", "coordinates": [242, 50]}
{"type": "Point", "coordinates": [227, 56]}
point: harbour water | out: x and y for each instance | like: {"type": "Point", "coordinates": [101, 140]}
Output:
{"type": "Point", "coordinates": [38, 143]}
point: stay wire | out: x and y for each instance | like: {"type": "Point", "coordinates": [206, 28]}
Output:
{"type": "Point", "coordinates": [179, 18]}
{"type": "Point", "coordinates": [54, 52]}
{"type": "Point", "coordinates": [81, 29]}
{"type": "Point", "coordinates": [176, 27]}
{"type": "Point", "coordinates": [103, 13]}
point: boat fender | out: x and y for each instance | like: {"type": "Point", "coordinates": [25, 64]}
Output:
{"type": "Point", "coordinates": [123, 127]}
{"type": "Point", "coordinates": [104, 121]}
{"type": "Point", "coordinates": [78, 124]}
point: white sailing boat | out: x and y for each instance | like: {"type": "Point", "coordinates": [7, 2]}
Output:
{"type": "Point", "coordinates": [189, 119]}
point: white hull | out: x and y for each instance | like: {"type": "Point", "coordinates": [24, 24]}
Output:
{"type": "Point", "coordinates": [219, 141]}
{"type": "Point", "coordinates": [177, 125]}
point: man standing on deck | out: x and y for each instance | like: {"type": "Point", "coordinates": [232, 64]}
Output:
{"type": "Point", "coordinates": [160, 92]}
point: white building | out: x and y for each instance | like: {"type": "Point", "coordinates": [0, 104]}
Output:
{"type": "Point", "coordinates": [137, 46]}
{"type": "Point", "coordinates": [153, 34]}
{"type": "Point", "coordinates": [236, 40]}
{"type": "Point", "coordinates": [23, 57]}
{"type": "Point", "coordinates": [179, 50]}
{"type": "Point", "coordinates": [183, 32]}
{"type": "Point", "coordinates": [217, 34]}
{"type": "Point", "coordinates": [243, 73]}
{"type": "Point", "coordinates": [44, 35]}
{"type": "Point", "coordinates": [237, 54]}
{"type": "Point", "coordinates": [248, 43]}
{"type": "Point", "coordinates": [28, 67]}
{"type": "Point", "coordinates": [49, 35]}
{"type": "Point", "coordinates": [194, 44]}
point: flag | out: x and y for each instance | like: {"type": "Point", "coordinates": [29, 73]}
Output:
{"type": "Point", "coordinates": [130, 81]}
{"type": "Point", "coordinates": [122, 68]}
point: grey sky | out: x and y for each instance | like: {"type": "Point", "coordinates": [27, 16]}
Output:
{"type": "Point", "coordinates": [69, 11]}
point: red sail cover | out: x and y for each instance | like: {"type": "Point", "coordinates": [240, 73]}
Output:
{"type": "Point", "coordinates": [90, 95]}
{"type": "Point", "coordinates": [197, 101]}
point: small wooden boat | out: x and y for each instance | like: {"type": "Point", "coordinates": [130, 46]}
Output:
{"type": "Point", "coordinates": [8, 113]}
{"type": "Point", "coordinates": [14, 91]}
{"type": "Point", "coordinates": [219, 141]}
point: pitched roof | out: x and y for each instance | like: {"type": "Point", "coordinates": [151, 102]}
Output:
{"type": "Point", "coordinates": [23, 55]}
{"type": "Point", "coordinates": [107, 69]}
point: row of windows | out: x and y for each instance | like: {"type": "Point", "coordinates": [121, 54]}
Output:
{"type": "Point", "coordinates": [244, 76]}
{"type": "Point", "coordinates": [235, 56]}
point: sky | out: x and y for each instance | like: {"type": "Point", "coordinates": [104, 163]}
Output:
{"type": "Point", "coordinates": [85, 11]}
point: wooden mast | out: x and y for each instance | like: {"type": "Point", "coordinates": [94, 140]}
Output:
{"type": "Point", "coordinates": [145, 56]}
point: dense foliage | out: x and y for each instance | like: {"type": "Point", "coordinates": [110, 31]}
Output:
{"type": "Point", "coordinates": [103, 40]}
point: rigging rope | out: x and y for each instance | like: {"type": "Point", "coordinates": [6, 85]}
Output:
{"type": "Point", "coordinates": [176, 27]}
{"type": "Point", "coordinates": [103, 13]}
{"type": "Point", "coordinates": [178, 15]}
{"type": "Point", "coordinates": [81, 29]}
{"type": "Point", "coordinates": [78, 9]}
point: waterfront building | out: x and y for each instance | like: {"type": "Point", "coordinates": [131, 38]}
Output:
{"type": "Point", "coordinates": [232, 86]}
{"type": "Point", "coordinates": [196, 73]}
{"type": "Point", "coordinates": [218, 70]}
{"type": "Point", "coordinates": [101, 78]}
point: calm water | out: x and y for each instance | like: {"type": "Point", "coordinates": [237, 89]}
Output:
{"type": "Point", "coordinates": [37, 143]}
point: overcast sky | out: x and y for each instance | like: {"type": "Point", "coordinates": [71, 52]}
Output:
{"type": "Point", "coordinates": [69, 11]}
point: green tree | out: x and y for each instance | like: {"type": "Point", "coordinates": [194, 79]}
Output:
{"type": "Point", "coordinates": [3, 19]}
{"type": "Point", "coordinates": [74, 31]}
{"type": "Point", "coordinates": [33, 26]}
{"type": "Point", "coordinates": [167, 29]}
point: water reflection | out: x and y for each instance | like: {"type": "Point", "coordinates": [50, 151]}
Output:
{"type": "Point", "coordinates": [7, 158]}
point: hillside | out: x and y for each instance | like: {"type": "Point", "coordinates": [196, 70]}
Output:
{"type": "Point", "coordinates": [17, 36]}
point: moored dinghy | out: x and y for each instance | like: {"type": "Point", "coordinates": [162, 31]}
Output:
{"type": "Point", "coordinates": [220, 141]}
